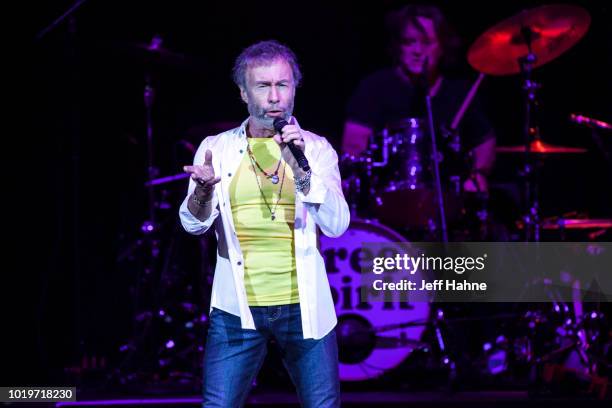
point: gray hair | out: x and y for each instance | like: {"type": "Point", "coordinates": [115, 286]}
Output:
{"type": "Point", "coordinates": [261, 53]}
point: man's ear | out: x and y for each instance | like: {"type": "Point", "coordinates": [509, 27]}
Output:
{"type": "Point", "coordinates": [243, 95]}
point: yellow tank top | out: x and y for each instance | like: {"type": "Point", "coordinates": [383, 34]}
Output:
{"type": "Point", "coordinates": [267, 245]}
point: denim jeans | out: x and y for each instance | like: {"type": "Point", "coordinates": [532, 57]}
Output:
{"type": "Point", "coordinates": [233, 357]}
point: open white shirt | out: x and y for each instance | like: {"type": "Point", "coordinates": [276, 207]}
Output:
{"type": "Point", "coordinates": [324, 206]}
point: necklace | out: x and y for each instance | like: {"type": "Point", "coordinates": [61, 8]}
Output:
{"type": "Point", "coordinates": [273, 177]}
{"type": "Point", "coordinates": [280, 191]}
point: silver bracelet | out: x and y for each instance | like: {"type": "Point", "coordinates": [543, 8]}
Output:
{"type": "Point", "coordinates": [303, 182]}
{"type": "Point", "coordinates": [199, 202]}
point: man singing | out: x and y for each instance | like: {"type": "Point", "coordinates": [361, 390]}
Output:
{"type": "Point", "coordinates": [270, 280]}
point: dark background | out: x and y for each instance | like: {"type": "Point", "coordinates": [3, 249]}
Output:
{"type": "Point", "coordinates": [84, 202]}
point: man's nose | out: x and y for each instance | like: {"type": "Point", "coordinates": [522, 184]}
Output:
{"type": "Point", "coordinates": [273, 95]}
{"type": "Point", "coordinates": [418, 47]}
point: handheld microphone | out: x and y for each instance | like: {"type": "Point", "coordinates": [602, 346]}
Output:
{"type": "Point", "coordinates": [279, 124]}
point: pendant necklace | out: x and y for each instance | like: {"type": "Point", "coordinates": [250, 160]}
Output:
{"type": "Point", "coordinates": [273, 178]}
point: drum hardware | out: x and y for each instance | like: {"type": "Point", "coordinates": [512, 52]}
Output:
{"type": "Point", "coordinates": [528, 40]}
{"type": "Point", "coordinates": [404, 194]}
{"type": "Point", "coordinates": [596, 126]}
{"type": "Point", "coordinates": [166, 179]}
{"type": "Point", "coordinates": [356, 182]}
{"type": "Point", "coordinates": [358, 339]}
{"type": "Point", "coordinates": [155, 55]}
{"type": "Point", "coordinates": [548, 336]}
{"type": "Point", "coordinates": [402, 154]}
{"type": "Point", "coordinates": [384, 149]}
{"type": "Point", "coordinates": [375, 337]}
{"type": "Point", "coordinates": [409, 160]}
{"type": "Point", "coordinates": [530, 171]}
{"type": "Point", "coordinates": [150, 225]}
{"type": "Point", "coordinates": [453, 136]}
{"type": "Point", "coordinates": [436, 164]}
{"type": "Point", "coordinates": [518, 45]}
{"type": "Point", "coordinates": [165, 339]}
{"type": "Point", "coordinates": [455, 182]}
{"type": "Point", "coordinates": [546, 31]}
{"type": "Point", "coordinates": [545, 338]}
{"type": "Point", "coordinates": [533, 43]}
{"type": "Point", "coordinates": [364, 352]}
{"type": "Point", "coordinates": [590, 122]}
{"type": "Point", "coordinates": [575, 223]}
{"type": "Point", "coordinates": [67, 14]}
{"type": "Point", "coordinates": [576, 347]}
{"type": "Point", "coordinates": [538, 147]}
{"type": "Point", "coordinates": [402, 150]}
{"type": "Point", "coordinates": [560, 223]}
{"type": "Point", "coordinates": [561, 337]}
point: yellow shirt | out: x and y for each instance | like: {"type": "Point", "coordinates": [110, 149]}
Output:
{"type": "Point", "coordinates": [267, 245]}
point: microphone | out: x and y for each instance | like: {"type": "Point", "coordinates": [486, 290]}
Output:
{"type": "Point", "coordinates": [279, 124]}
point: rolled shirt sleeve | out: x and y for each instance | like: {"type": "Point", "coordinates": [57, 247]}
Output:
{"type": "Point", "coordinates": [325, 200]}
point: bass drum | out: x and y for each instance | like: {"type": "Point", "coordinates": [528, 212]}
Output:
{"type": "Point", "coordinates": [373, 337]}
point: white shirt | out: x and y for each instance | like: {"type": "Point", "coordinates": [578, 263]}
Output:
{"type": "Point", "coordinates": [324, 206]}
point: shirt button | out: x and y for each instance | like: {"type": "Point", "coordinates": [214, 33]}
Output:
{"type": "Point", "coordinates": [241, 151]}
{"type": "Point", "coordinates": [229, 174]}
{"type": "Point", "coordinates": [239, 263]}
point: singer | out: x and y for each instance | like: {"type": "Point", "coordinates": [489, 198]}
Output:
{"type": "Point", "coordinates": [270, 280]}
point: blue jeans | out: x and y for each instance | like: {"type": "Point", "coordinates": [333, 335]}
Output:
{"type": "Point", "coordinates": [233, 357]}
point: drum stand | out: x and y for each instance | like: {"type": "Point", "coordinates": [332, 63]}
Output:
{"type": "Point", "coordinates": [438, 325]}
{"type": "Point", "coordinates": [149, 283]}
{"type": "Point", "coordinates": [530, 169]}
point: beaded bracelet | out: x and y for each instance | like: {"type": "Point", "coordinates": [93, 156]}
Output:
{"type": "Point", "coordinates": [303, 182]}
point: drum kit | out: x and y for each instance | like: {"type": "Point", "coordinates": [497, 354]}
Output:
{"type": "Point", "coordinates": [391, 190]}
{"type": "Point", "coordinates": [393, 181]}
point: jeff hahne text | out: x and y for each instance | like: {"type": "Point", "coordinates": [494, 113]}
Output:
{"type": "Point", "coordinates": [416, 265]}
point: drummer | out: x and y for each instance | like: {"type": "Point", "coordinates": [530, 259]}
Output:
{"type": "Point", "coordinates": [419, 36]}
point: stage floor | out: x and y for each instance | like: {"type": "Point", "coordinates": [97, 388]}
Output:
{"type": "Point", "coordinates": [499, 399]}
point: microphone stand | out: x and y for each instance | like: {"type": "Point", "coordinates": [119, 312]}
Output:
{"type": "Point", "coordinates": [436, 165]}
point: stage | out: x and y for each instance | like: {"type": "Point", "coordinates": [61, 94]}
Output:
{"type": "Point", "coordinates": [359, 399]}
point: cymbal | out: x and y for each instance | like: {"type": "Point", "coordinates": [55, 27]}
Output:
{"type": "Point", "coordinates": [157, 54]}
{"type": "Point", "coordinates": [539, 147]}
{"type": "Point", "coordinates": [552, 29]}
